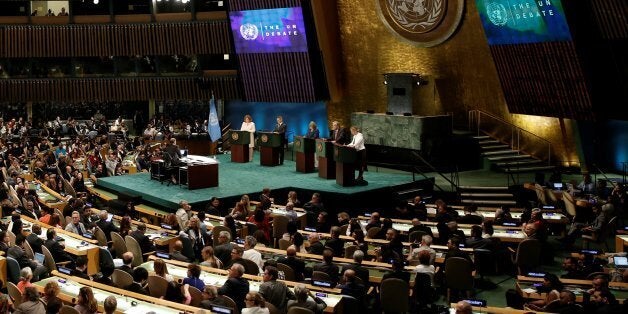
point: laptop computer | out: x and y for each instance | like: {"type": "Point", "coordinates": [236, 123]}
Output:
{"type": "Point", "coordinates": [162, 255]}
{"type": "Point", "coordinates": [221, 309]}
{"type": "Point", "coordinates": [39, 258]}
{"type": "Point", "coordinates": [109, 217]}
{"type": "Point", "coordinates": [184, 152]}
{"type": "Point", "coordinates": [621, 262]}
{"type": "Point", "coordinates": [322, 283]}
{"type": "Point", "coordinates": [558, 186]}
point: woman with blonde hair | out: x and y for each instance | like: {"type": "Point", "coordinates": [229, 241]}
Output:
{"type": "Point", "coordinates": [209, 259]}
{"type": "Point", "coordinates": [293, 198]}
{"type": "Point", "coordinates": [161, 270]}
{"type": "Point", "coordinates": [240, 211]}
{"type": "Point", "coordinates": [312, 131]}
{"type": "Point", "coordinates": [249, 125]}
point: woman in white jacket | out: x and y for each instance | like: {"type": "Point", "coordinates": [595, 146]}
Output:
{"type": "Point", "coordinates": [249, 125]}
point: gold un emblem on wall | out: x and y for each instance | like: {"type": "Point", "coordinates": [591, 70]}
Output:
{"type": "Point", "coordinates": [424, 23]}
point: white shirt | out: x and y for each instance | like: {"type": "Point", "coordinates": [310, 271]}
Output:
{"type": "Point", "coordinates": [255, 256]}
{"type": "Point", "coordinates": [357, 142]}
{"type": "Point", "coordinates": [250, 126]}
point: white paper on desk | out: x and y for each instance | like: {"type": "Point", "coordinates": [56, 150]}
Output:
{"type": "Point", "coordinates": [117, 262]}
{"type": "Point", "coordinates": [529, 290]}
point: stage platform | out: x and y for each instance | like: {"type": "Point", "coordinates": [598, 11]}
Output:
{"type": "Point", "coordinates": [236, 179]}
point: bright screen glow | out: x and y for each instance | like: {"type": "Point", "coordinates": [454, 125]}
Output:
{"type": "Point", "coordinates": [523, 21]}
{"type": "Point", "coordinates": [270, 30]}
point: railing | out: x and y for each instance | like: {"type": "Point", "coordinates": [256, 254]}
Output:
{"type": "Point", "coordinates": [454, 180]}
{"type": "Point", "coordinates": [506, 132]}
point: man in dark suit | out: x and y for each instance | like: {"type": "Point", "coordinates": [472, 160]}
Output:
{"type": "Point", "coordinates": [146, 245]}
{"type": "Point", "coordinates": [338, 134]}
{"type": "Point", "coordinates": [418, 226]}
{"type": "Point", "coordinates": [34, 240]}
{"type": "Point", "coordinates": [57, 249]}
{"type": "Point", "coordinates": [335, 244]}
{"type": "Point", "coordinates": [281, 128]}
{"type": "Point", "coordinates": [176, 252]}
{"type": "Point", "coordinates": [328, 266]}
{"type": "Point", "coordinates": [106, 226]}
{"type": "Point", "coordinates": [295, 263]}
{"type": "Point", "coordinates": [17, 252]}
{"type": "Point", "coordinates": [236, 287]}
{"type": "Point", "coordinates": [30, 210]}
{"type": "Point", "coordinates": [316, 247]}
{"type": "Point", "coordinates": [454, 250]}
{"type": "Point", "coordinates": [224, 247]}
{"type": "Point", "coordinates": [359, 270]}
{"type": "Point", "coordinates": [81, 268]}
{"type": "Point", "coordinates": [127, 260]}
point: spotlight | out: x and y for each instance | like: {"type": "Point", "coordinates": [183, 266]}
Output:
{"type": "Point", "coordinates": [95, 1]}
{"type": "Point", "coordinates": [385, 82]}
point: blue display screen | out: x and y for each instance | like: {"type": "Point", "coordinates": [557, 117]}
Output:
{"type": "Point", "coordinates": [523, 21]}
{"type": "Point", "coordinates": [268, 31]}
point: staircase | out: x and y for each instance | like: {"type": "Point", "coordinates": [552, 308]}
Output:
{"type": "Point", "coordinates": [486, 196]}
{"type": "Point", "coordinates": [502, 157]}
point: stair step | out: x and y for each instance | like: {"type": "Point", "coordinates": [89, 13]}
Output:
{"type": "Point", "coordinates": [530, 169]}
{"type": "Point", "coordinates": [488, 195]}
{"type": "Point", "coordinates": [511, 157]}
{"type": "Point", "coordinates": [501, 152]}
{"type": "Point", "coordinates": [482, 137]}
{"type": "Point", "coordinates": [518, 163]}
{"type": "Point", "coordinates": [409, 191]}
{"type": "Point", "coordinates": [489, 147]}
{"type": "Point", "coordinates": [484, 142]}
{"type": "Point", "coordinates": [492, 188]}
{"type": "Point", "coordinates": [493, 202]}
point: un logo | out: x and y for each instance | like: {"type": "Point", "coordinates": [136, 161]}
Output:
{"type": "Point", "coordinates": [249, 31]}
{"type": "Point", "coordinates": [497, 13]}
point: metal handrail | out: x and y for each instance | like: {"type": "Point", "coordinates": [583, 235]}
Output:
{"type": "Point", "coordinates": [475, 115]}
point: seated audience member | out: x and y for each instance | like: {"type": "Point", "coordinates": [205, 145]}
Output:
{"type": "Point", "coordinates": [359, 240]}
{"type": "Point", "coordinates": [86, 303]}
{"type": "Point", "coordinates": [262, 220]}
{"type": "Point", "coordinates": [335, 243]}
{"type": "Point", "coordinates": [418, 226]}
{"type": "Point", "coordinates": [418, 208]}
{"type": "Point", "coordinates": [386, 224]}
{"type": "Point", "coordinates": [294, 236]}
{"type": "Point", "coordinates": [18, 253]}
{"type": "Point", "coordinates": [487, 230]}
{"type": "Point", "coordinates": [211, 298]}
{"type": "Point", "coordinates": [81, 268]}
{"type": "Point", "coordinates": [193, 279]}
{"type": "Point", "coordinates": [453, 246]}
{"type": "Point", "coordinates": [393, 249]}
{"type": "Point", "coordinates": [351, 286]}
{"type": "Point", "coordinates": [250, 253]}
{"type": "Point", "coordinates": [305, 299]}
{"type": "Point", "coordinates": [161, 269]}
{"type": "Point", "coordinates": [471, 216]}
{"type": "Point", "coordinates": [425, 266]}
{"type": "Point", "coordinates": [599, 282]}
{"type": "Point", "coordinates": [110, 304]}
{"type": "Point", "coordinates": [343, 219]}
{"type": "Point", "coordinates": [76, 226]}
{"type": "Point", "coordinates": [146, 245]}
{"type": "Point", "coordinates": [566, 303]}
{"type": "Point", "coordinates": [4, 241]}
{"type": "Point", "coordinates": [604, 302]}
{"type": "Point", "coordinates": [360, 271]}
{"type": "Point", "coordinates": [316, 247]}
{"type": "Point", "coordinates": [463, 307]}
{"type": "Point", "coordinates": [502, 215]}
{"type": "Point", "coordinates": [26, 275]}
{"type": "Point", "coordinates": [140, 278]}
{"type": "Point", "coordinates": [551, 287]}
{"type": "Point", "coordinates": [127, 262]}
{"type": "Point", "coordinates": [398, 271]}
{"type": "Point", "coordinates": [426, 242]}
{"type": "Point", "coordinates": [56, 248]}
{"type": "Point", "coordinates": [176, 252]}
{"type": "Point", "coordinates": [209, 259]}
{"type": "Point", "coordinates": [236, 257]}
{"type": "Point", "coordinates": [603, 215]}
{"type": "Point", "coordinates": [30, 303]}
{"type": "Point", "coordinates": [294, 262]}
{"type": "Point", "coordinates": [476, 240]}
{"type": "Point", "coordinates": [273, 291]}
{"type": "Point", "coordinates": [323, 225]}
{"type": "Point", "coordinates": [570, 265]}
{"type": "Point", "coordinates": [255, 304]}
{"type": "Point", "coordinates": [235, 287]}
{"type": "Point", "coordinates": [223, 248]}
{"type": "Point", "coordinates": [374, 221]}
{"type": "Point", "coordinates": [51, 292]}
{"type": "Point", "coordinates": [328, 266]}
{"type": "Point", "coordinates": [455, 232]}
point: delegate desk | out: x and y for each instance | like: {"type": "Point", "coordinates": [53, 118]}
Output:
{"type": "Point", "coordinates": [159, 236]}
{"type": "Point", "coordinates": [199, 172]}
{"type": "Point", "coordinates": [74, 244]}
{"type": "Point", "coordinates": [525, 287]}
{"type": "Point", "coordinates": [3, 271]}
{"type": "Point", "coordinates": [128, 302]}
{"type": "Point", "coordinates": [217, 277]}
{"type": "Point", "coordinates": [550, 217]}
{"type": "Point", "coordinates": [494, 310]}
{"type": "Point", "coordinates": [280, 210]}
{"type": "Point", "coordinates": [621, 241]}
{"type": "Point", "coordinates": [47, 197]}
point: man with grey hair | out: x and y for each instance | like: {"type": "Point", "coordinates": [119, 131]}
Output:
{"type": "Point", "coordinates": [235, 287]}
{"type": "Point", "coordinates": [316, 247]}
{"type": "Point", "coordinates": [106, 225]}
{"type": "Point", "coordinates": [305, 299]}
{"type": "Point", "coordinates": [250, 253]}
{"type": "Point", "coordinates": [183, 214]}
{"type": "Point", "coordinates": [426, 241]}
{"type": "Point", "coordinates": [290, 213]}
{"type": "Point", "coordinates": [223, 248]}
{"type": "Point", "coordinates": [360, 271]}
{"type": "Point", "coordinates": [76, 226]}
{"type": "Point", "coordinates": [273, 291]}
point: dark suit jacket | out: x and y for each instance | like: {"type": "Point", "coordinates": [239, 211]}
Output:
{"type": "Point", "coordinates": [177, 256]}
{"type": "Point", "coordinates": [127, 269]}
{"type": "Point", "coordinates": [236, 289]}
{"type": "Point", "coordinates": [281, 129]}
{"type": "Point", "coordinates": [317, 248]}
{"type": "Point", "coordinates": [403, 275]}
{"type": "Point", "coordinates": [57, 251]}
{"type": "Point", "coordinates": [107, 227]}
{"type": "Point", "coordinates": [341, 137]}
{"type": "Point", "coordinates": [145, 243]}
{"type": "Point", "coordinates": [35, 242]}
{"type": "Point", "coordinates": [296, 264]}
{"type": "Point", "coordinates": [223, 252]}
{"type": "Point", "coordinates": [332, 269]}
{"type": "Point", "coordinates": [423, 228]}
{"type": "Point", "coordinates": [19, 255]}
{"type": "Point", "coordinates": [360, 272]}
{"type": "Point", "coordinates": [337, 245]}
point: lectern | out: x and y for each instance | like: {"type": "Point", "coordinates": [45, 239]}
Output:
{"type": "Point", "coordinates": [240, 141]}
{"type": "Point", "coordinates": [269, 145]}
{"type": "Point", "coordinates": [325, 155]}
{"type": "Point", "coordinates": [305, 148]}
{"type": "Point", "coordinates": [345, 158]}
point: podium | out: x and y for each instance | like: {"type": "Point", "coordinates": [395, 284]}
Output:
{"type": "Point", "coordinates": [305, 148]}
{"type": "Point", "coordinates": [325, 155]}
{"type": "Point", "coordinates": [345, 158]}
{"type": "Point", "coordinates": [240, 141]}
{"type": "Point", "coordinates": [269, 145]}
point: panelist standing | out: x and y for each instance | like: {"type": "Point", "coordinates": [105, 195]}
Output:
{"type": "Point", "coordinates": [358, 143]}
{"type": "Point", "coordinates": [249, 125]}
{"type": "Point", "coordinates": [313, 133]}
{"type": "Point", "coordinates": [280, 128]}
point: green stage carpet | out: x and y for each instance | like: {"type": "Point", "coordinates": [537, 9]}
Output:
{"type": "Point", "coordinates": [237, 179]}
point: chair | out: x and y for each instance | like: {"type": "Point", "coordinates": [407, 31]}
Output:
{"type": "Point", "coordinates": [280, 226]}
{"type": "Point", "coordinates": [343, 228]}
{"type": "Point", "coordinates": [528, 255]}
{"type": "Point", "coordinates": [288, 272]}
{"type": "Point", "coordinates": [119, 245]}
{"type": "Point", "coordinates": [121, 278]}
{"type": "Point", "coordinates": [197, 295]}
{"type": "Point", "coordinates": [249, 267]}
{"type": "Point", "coordinates": [11, 236]}
{"type": "Point", "coordinates": [319, 275]}
{"type": "Point", "coordinates": [135, 248]}
{"type": "Point", "coordinates": [394, 295]}
{"type": "Point", "coordinates": [106, 262]}
{"type": "Point", "coordinates": [216, 232]}
{"type": "Point", "coordinates": [28, 250]}
{"type": "Point", "coordinates": [349, 250]}
{"type": "Point", "coordinates": [592, 276]}
{"type": "Point", "coordinates": [49, 261]}
{"type": "Point", "coordinates": [299, 310]}
{"type": "Point", "coordinates": [13, 270]}
{"type": "Point", "coordinates": [549, 193]}
{"type": "Point", "coordinates": [272, 309]}
{"type": "Point", "coordinates": [458, 275]}
{"type": "Point", "coordinates": [62, 220]}
{"type": "Point", "coordinates": [284, 244]}
{"type": "Point", "coordinates": [601, 236]}
{"type": "Point", "coordinates": [100, 237]}
{"type": "Point", "coordinates": [423, 294]}
{"type": "Point", "coordinates": [349, 305]}
{"type": "Point", "coordinates": [66, 309]}
{"type": "Point", "coordinates": [14, 293]}
{"type": "Point", "coordinates": [371, 233]}
{"type": "Point", "coordinates": [158, 286]}
{"type": "Point", "coordinates": [416, 236]}
{"type": "Point", "coordinates": [230, 303]}
{"type": "Point", "coordinates": [570, 204]}
{"type": "Point", "coordinates": [540, 194]}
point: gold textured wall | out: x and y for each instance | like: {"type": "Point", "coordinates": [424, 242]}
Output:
{"type": "Point", "coordinates": [460, 71]}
